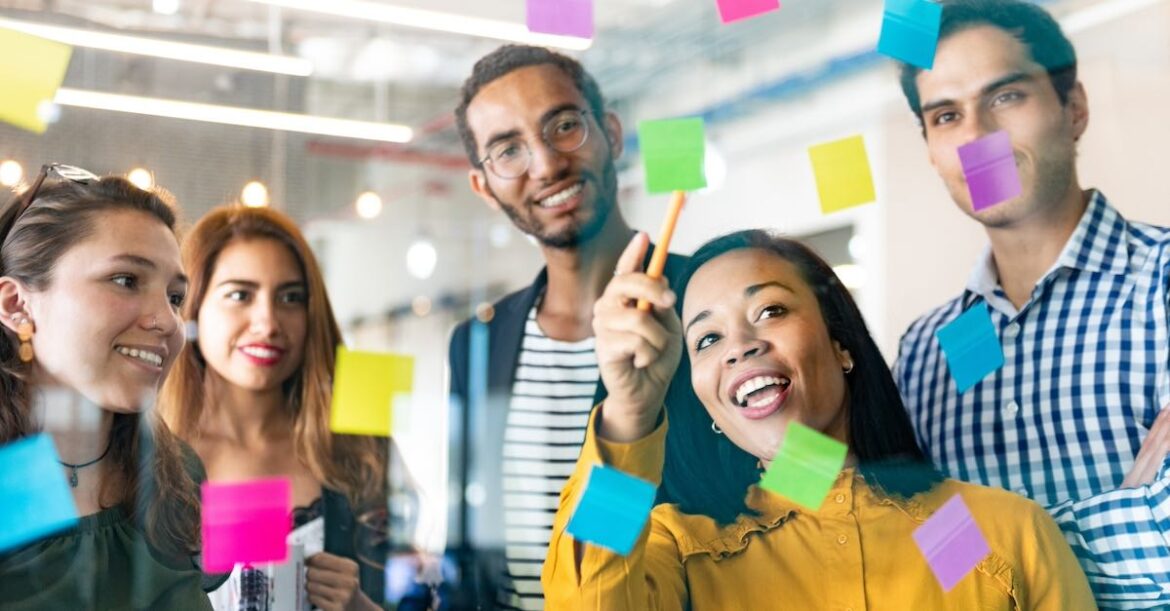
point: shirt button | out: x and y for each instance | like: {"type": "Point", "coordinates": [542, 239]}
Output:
{"type": "Point", "coordinates": [840, 498]}
{"type": "Point", "coordinates": [1012, 330]}
{"type": "Point", "coordinates": [1011, 409]}
{"type": "Point", "coordinates": [842, 539]}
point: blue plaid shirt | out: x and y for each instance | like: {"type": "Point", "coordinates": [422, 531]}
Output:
{"type": "Point", "coordinates": [1085, 373]}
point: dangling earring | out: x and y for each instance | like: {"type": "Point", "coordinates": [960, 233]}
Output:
{"type": "Point", "coordinates": [24, 331]}
{"type": "Point", "coordinates": [715, 428]}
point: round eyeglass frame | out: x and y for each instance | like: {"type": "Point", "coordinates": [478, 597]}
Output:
{"type": "Point", "coordinates": [486, 160]}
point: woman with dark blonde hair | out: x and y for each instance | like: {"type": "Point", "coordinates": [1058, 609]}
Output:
{"type": "Point", "coordinates": [251, 391]}
{"type": "Point", "coordinates": [90, 291]}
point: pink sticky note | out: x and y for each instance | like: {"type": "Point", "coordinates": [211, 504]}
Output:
{"type": "Point", "coordinates": [734, 10]}
{"type": "Point", "coordinates": [561, 17]}
{"type": "Point", "coordinates": [990, 168]}
{"type": "Point", "coordinates": [951, 542]}
{"type": "Point", "coordinates": [245, 522]}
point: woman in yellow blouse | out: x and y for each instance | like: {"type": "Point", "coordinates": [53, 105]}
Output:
{"type": "Point", "coordinates": [766, 315]}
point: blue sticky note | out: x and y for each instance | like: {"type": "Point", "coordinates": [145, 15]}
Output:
{"type": "Point", "coordinates": [612, 510]}
{"type": "Point", "coordinates": [36, 499]}
{"type": "Point", "coordinates": [971, 346]}
{"type": "Point", "coordinates": [910, 31]}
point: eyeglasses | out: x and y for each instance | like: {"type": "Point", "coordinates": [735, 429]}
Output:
{"type": "Point", "coordinates": [68, 172]}
{"type": "Point", "coordinates": [566, 132]}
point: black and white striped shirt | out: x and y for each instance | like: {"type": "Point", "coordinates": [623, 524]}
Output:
{"type": "Point", "coordinates": [552, 395]}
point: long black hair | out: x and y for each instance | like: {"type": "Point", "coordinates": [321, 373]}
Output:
{"type": "Point", "coordinates": [707, 474]}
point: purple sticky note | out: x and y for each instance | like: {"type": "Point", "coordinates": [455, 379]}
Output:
{"type": "Point", "coordinates": [951, 542]}
{"type": "Point", "coordinates": [990, 168]}
{"type": "Point", "coordinates": [245, 522]}
{"type": "Point", "coordinates": [561, 17]}
{"type": "Point", "coordinates": [734, 10]}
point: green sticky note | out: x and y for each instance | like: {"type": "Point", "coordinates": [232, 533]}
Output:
{"type": "Point", "coordinates": [806, 467]}
{"type": "Point", "coordinates": [842, 173]}
{"type": "Point", "coordinates": [31, 69]}
{"type": "Point", "coordinates": [672, 151]}
{"type": "Point", "coordinates": [364, 386]}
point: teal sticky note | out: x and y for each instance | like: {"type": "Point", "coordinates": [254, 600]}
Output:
{"type": "Point", "coordinates": [673, 152]}
{"type": "Point", "coordinates": [612, 510]}
{"type": "Point", "coordinates": [806, 466]}
{"type": "Point", "coordinates": [971, 346]}
{"type": "Point", "coordinates": [36, 500]}
{"type": "Point", "coordinates": [910, 31]}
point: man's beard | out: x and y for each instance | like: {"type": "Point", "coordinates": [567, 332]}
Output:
{"type": "Point", "coordinates": [577, 232]}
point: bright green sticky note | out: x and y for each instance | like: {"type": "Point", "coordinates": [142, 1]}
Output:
{"type": "Point", "coordinates": [672, 151]}
{"type": "Point", "coordinates": [31, 69]}
{"type": "Point", "coordinates": [806, 467]}
{"type": "Point", "coordinates": [364, 385]}
{"type": "Point", "coordinates": [842, 172]}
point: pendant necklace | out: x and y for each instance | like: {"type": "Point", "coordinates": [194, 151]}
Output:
{"type": "Point", "coordinates": [74, 468]}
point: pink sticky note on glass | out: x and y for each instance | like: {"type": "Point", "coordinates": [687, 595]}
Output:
{"type": "Point", "coordinates": [734, 10]}
{"type": "Point", "coordinates": [951, 542]}
{"type": "Point", "coordinates": [245, 522]}
{"type": "Point", "coordinates": [561, 17]}
{"type": "Point", "coordinates": [990, 168]}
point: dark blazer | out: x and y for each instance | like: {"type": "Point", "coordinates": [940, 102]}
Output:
{"type": "Point", "coordinates": [482, 361]}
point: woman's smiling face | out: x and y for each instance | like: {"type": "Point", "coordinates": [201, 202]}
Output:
{"type": "Point", "coordinates": [760, 352]}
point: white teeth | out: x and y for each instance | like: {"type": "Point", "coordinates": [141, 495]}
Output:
{"type": "Point", "coordinates": [755, 384]}
{"type": "Point", "coordinates": [142, 355]}
{"type": "Point", "coordinates": [260, 353]}
{"type": "Point", "coordinates": [557, 199]}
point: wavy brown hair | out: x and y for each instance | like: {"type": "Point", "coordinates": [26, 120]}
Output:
{"type": "Point", "coordinates": [351, 464]}
{"type": "Point", "coordinates": [147, 460]}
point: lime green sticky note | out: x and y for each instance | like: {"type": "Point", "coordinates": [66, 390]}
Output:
{"type": "Point", "coordinates": [806, 466]}
{"type": "Point", "coordinates": [31, 69]}
{"type": "Point", "coordinates": [672, 151]}
{"type": "Point", "coordinates": [364, 386]}
{"type": "Point", "coordinates": [842, 173]}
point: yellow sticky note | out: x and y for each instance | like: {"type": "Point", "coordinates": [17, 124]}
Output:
{"type": "Point", "coordinates": [364, 385]}
{"type": "Point", "coordinates": [31, 69]}
{"type": "Point", "coordinates": [842, 173]}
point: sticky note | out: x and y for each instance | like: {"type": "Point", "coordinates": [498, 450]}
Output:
{"type": "Point", "coordinates": [735, 10]}
{"type": "Point", "coordinates": [990, 168]}
{"type": "Point", "coordinates": [561, 17]}
{"type": "Point", "coordinates": [910, 31]}
{"type": "Point", "coordinates": [31, 69]}
{"type": "Point", "coordinates": [806, 466]}
{"type": "Point", "coordinates": [612, 510]}
{"type": "Point", "coordinates": [951, 542]}
{"type": "Point", "coordinates": [673, 152]}
{"type": "Point", "coordinates": [245, 522]}
{"type": "Point", "coordinates": [841, 169]}
{"type": "Point", "coordinates": [36, 500]}
{"type": "Point", "coordinates": [364, 386]}
{"type": "Point", "coordinates": [971, 346]}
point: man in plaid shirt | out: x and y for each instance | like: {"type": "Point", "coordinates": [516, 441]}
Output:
{"type": "Point", "coordinates": [1079, 298]}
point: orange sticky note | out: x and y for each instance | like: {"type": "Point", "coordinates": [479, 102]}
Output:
{"type": "Point", "coordinates": [842, 173]}
{"type": "Point", "coordinates": [364, 386]}
{"type": "Point", "coordinates": [31, 69]}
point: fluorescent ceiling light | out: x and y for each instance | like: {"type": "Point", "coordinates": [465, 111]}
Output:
{"type": "Point", "coordinates": [230, 115]}
{"type": "Point", "coordinates": [166, 49]}
{"type": "Point", "coordinates": [432, 20]}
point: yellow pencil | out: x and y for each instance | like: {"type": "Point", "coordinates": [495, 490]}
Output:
{"type": "Point", "coordinates": [658, 259]}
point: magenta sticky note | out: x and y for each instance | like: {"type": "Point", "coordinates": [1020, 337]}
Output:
{"type": "Point", "coordinates": [735, 10]}
{"type": "Point", "coordinates": [990, 168]}
{"type": "Point", "coordinates": [245, 522]}
{"type": "Point", "coordinates": [561, 17]}
{"type": "Point", "coordinates": [951, 542]}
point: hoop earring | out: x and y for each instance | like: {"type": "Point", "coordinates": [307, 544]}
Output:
{"type": "Point", "coordinates": [715, 428]}
{"type": "Point", "coordinates": [24, 331]}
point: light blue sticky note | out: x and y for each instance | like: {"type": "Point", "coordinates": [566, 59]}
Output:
{"type": "Point", "coordinates": [612, 510]}
{"type": "Point", "coordinates": [971, 346]}
{"type": "Point", "coordinates": [910, 31]}
{"type": "Point", "coordinates": [36, 500]}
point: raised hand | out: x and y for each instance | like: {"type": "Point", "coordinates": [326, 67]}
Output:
{"type": "Point", "coordinates": [637, 352]}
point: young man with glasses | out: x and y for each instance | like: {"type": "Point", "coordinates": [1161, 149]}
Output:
{"type": "Point", "coordinates": [542, 146]}
{"type": "Point", "coordinates": [1079, 299]}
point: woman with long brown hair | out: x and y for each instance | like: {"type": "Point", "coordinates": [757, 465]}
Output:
{"type": "Point", "coordinates": [90, 291]}
{"type": "Point", "coordinates": [251, 392]}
